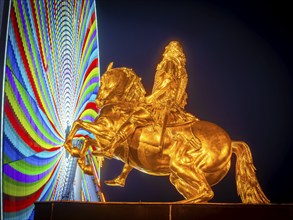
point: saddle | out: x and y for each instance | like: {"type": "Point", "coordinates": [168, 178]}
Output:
{"type": "Point", "coordinates": [153, 135]}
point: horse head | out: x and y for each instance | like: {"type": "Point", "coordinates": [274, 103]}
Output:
{"type": "Point", "coordinates": [120, 85]}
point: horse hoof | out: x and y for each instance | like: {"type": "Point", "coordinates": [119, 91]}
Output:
{"type": "Point", "coordinates": [75, 152]}
{"type": "Point", "coordinates": [115, 183]}
{"type": "Point", "coordinates": [88, 169]}
{"type": "Point", "coordinates": [67, 146]}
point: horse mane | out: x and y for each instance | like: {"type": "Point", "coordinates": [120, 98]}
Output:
{"type": "Point", "coordinates": [128, 86]}
{"type": "Point", "coordinates": [135, 90]}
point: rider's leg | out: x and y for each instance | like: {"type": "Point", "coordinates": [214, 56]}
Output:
{"type": "Point", "coordinates": [120, 180]}
{"type": "Point", "coordinates": [140, 117]}
{"type": "Point", "coordinates": [120, 137]}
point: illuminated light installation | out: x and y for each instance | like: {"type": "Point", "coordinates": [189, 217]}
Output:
{"type": "Point", "coordinates": [51, 78]}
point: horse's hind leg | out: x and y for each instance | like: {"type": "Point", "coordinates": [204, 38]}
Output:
{"type": "Point", "coordinates": [190, 182]}
{"type": "Point", "coordinates": [120, 180]}
{"type": "Point", "coordinates": [182, 187]}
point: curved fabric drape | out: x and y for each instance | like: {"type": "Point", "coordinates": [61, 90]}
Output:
{"type": "Point", "coordinates": [51, 79]}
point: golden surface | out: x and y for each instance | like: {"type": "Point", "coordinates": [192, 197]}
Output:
{"type": "Point", "coordinates": [154, 134]}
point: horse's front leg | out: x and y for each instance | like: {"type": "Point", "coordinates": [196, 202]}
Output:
{"type": "Point", "coordinates": [78, 124]}
{"type": "Point", "coordinates": [81, 153]}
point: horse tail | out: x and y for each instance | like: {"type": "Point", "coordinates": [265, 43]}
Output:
{"type": "Point", "coordinates": [248, 187]}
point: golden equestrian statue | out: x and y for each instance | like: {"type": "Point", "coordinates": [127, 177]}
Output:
{"type": "Point", "coordinates": [155, 135]}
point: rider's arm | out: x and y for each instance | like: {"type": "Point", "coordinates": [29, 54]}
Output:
{"type": "Point", "coordinates": [162, 88]}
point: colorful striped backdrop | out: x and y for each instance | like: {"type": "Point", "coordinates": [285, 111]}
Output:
{"type": "Point", "coordinates": [51, 79]}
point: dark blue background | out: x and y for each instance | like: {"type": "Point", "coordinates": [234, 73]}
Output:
{"type": "Point", "coordinates": [239, 62]}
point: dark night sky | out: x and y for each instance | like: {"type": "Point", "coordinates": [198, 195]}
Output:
{"type": "Point", "coordinates": [239, 62]}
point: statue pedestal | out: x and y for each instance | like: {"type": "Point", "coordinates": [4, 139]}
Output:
{"type": "Point", "coordinates": [162, 211]}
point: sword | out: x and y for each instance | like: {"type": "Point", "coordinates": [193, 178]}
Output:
{"type": "Point", "coordinates": [164, 125]}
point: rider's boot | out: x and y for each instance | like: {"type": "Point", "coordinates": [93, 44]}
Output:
{"type": "Point", "coordinates": [120, 137]}
{"type": "Point", "coordinates": [110, 149]}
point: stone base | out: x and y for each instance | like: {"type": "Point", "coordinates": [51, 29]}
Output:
{"type": "Point", "coordinates": [169, 211]}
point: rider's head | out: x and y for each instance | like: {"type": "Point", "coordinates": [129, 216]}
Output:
{"type": "Point", "coordinates": [175, 52]}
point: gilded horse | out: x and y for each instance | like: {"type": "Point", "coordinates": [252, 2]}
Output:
{"type": "Point", "coordinates": [195, 154]}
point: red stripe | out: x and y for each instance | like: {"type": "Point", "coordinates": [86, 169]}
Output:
{"type": "Point", "coordinates": [24, 59]}
{"type": "Point", "coordinates": [81, 135]}
{"type": "Point", "coordinates": [14, 204]}
{"type": "Point", "coordinates": [38, 33]}
{"type": "Point", "coordinates": [25, 62]}
{"type": "Point", "coordinates": [49, 32]}
{"type": "Point", "coordinates": [88, 30]}
{"type": "Point", "coordinates": [92, 105]}
{"type": "Point", "coordinates": [94, 64]}
{"type": "Point", "coordinates": [19, 129]}
{"type": "Point", "coordinates": [22, 132]}
{"type": "Point", "coordinates": [53, 126]}
{"type": "Point", "coordinates": [53, 149]}
{"type": "Point", "coordinates": [48, 24]}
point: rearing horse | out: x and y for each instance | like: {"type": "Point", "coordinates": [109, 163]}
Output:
{"type": "Point", "coordinates": [195, 155]}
